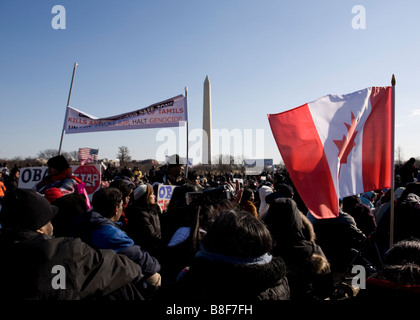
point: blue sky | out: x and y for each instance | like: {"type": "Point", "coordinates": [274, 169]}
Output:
{"type": "Point", "coordinates": [261, 57]}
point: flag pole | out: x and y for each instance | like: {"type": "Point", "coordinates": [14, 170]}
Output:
{"type": "Point", "coordinates": [391, 224]}
{"type": "Point", "coordinates": [67, 110]}
{"type": "Point", "coordinates": [186, 97]}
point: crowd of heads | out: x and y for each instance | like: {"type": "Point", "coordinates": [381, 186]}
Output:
{"type": "Point", "coordinates": [237, 224]}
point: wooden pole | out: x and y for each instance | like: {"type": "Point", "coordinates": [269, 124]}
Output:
{"type": "Point", "coordinates": [391, 224]}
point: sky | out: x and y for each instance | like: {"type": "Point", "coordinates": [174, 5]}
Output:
{"type": "Point", "coordinates": [261, 57]}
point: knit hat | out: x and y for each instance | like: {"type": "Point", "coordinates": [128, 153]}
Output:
{"type": "Point", "coordinates": [140, 191]}
{"type": "Point", "coordinates": [26, 209]}
{"type": "Point", "coordinates": [58, 162]}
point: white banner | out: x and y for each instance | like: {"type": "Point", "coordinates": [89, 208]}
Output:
{"type": "Point", "coordinates": [168, 113]}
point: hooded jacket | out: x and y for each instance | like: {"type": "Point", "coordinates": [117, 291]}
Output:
{"type": "Point", "coordinates": [102, 233]}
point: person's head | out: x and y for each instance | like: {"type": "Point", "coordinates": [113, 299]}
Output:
{"type": "Point", "coordinates": [402, 263]}
{"type": "Point", "coordinates": [127, 173]}
{"type": "Point", "coordinates": [144, 194]}
{"type": "Point", "coordinates": [28, 210]}
{"type": "Point", "coordinates": [248, 195]}
{"type": "Point", "coordinates": [108, 202]}
{"type": "Point", "coordinates": [175, 166]}
{"type": "Point", "coordinates": [238, 234]}
{"type": "Point", "coordinates": [56, 165]}
{"type": "Point", "coordinates": [68, 206]}
{"type": "Point", "coordinates": [15, 173]}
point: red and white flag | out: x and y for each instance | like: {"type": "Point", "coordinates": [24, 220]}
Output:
{"type": "Point", "coordinates": [337, 146]}
{"type": "Point", "coordinates": [87, 155]}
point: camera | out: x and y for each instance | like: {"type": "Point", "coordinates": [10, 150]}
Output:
{"type": "Point", "coordinates": [211, 195]}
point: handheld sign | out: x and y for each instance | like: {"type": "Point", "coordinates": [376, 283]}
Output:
{"type": "Point", "coordinates": [164, 195]}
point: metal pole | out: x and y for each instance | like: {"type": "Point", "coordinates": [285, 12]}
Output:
{"type": "Point", "coordinates": [68, 103]}
{"type": "Point", "coordinates": [186, 100]}
{"type": "Point", "coordinates": [391, 224]}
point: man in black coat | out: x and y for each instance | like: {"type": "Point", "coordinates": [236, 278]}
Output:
{"type": "Point", "coordinates": [36, 266]}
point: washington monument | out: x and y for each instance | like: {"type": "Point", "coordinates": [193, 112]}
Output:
{"type": "Point", "coordinates": [207, 122]}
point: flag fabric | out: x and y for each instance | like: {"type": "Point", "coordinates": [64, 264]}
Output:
{"type": "Point", "coordinates": [87, 155]}
{"type": "Point", "coordinates": [169, 113]}
{"type": "Point", "coordinates": [337, 146]}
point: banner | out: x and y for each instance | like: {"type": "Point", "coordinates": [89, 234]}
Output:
{"type": "Point", "coordinates": [89, 174]}
{"type": "Point", "coordinates": [168, 113]}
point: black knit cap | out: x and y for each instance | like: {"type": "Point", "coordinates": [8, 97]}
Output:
{"type": "Point", "coordinates": [26, 209]}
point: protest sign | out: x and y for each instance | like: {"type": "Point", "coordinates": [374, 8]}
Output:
{"type": "Point", "coordinates": [164, 195]}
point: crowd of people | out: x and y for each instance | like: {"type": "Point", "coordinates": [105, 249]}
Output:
{"type": "Point", "coordinates": [221, 238]}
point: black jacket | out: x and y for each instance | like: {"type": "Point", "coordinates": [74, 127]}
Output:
{"type": "Point", "coordinates": [208, 280]}
{"type": "Point", "coordinates": [143, 227]}
{"type": "Point", "coordinates": [27, 261]}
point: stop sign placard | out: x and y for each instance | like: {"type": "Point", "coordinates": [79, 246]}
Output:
{"type": "Point", "coordinates": [90, 175]}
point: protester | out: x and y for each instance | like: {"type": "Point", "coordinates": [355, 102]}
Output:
{"type": "Point", "coordinates": [59, 176]}
{"type": "Point", "coordinates": [361, 214]}
{"type": "Point", "coordinates": [247, 202]}
{"type": "Point", "coordinates": [309, 273]}
{"type": "Point", "coordinates": [69, 206]}
{"type": "Point", "coordinates": [12, 181]}
{"type": "Point", "coordinates": [399, 278]}
{"type": "Point", "coordinates": [127, 176]}
{"type": "Point", "coordinates": [264, 191]}
{"type": "Point", "coordinates": [171, 173]}
{"type": "Point", "coordinates": [408, 172]}
{"type": "Point", "coordinates": [233, 264]}
{"type": "Point", "coordinates": [126, 193]}
{"type": "Point", "coordinates": [406, 218]}
{"type": "Point", "coordinates": [100, 229]}
{"type": "Point", "coordinates": [338, 237]}
{"type": "Point", "coordinates": [2, 187]}
{"type": "Point", "coordinates": [30, 254]}
{"type": "Point", "coordinates": [185, 226]}
{"type": "Point", "coordinates": [143, 216]}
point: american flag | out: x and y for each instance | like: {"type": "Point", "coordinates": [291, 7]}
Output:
{"type": "Point", "coordinates": [88, 155]}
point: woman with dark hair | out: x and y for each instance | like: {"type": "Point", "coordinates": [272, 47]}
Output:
{"type": "Point", "coordinates": [399, 278]}
{"type": "Point", "coordinates": [233, 264]}
{"type": "Point", "coordinates": [247, 202]}
{"type": "Point", "coordinates": [143, 221]}
{"type": "Point", "coordinates": [309, 271]}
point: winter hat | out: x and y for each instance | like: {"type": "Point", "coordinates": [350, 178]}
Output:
{"type": "Point", "coordinates": [52, 194]}
{"type": "Point", "coordinates": [140, 191]}
{"type": "Point", "coordinates": [26, 209]}
{"type": "Point", "coordinates": [175, 160]}
{"type": "Point", "coordinates": [58, 162]}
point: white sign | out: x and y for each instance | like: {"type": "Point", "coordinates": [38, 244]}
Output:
{"type": "Point", "coordinates": [89, 174]}
{"type": "Point", "coordinates": [164, 195]}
